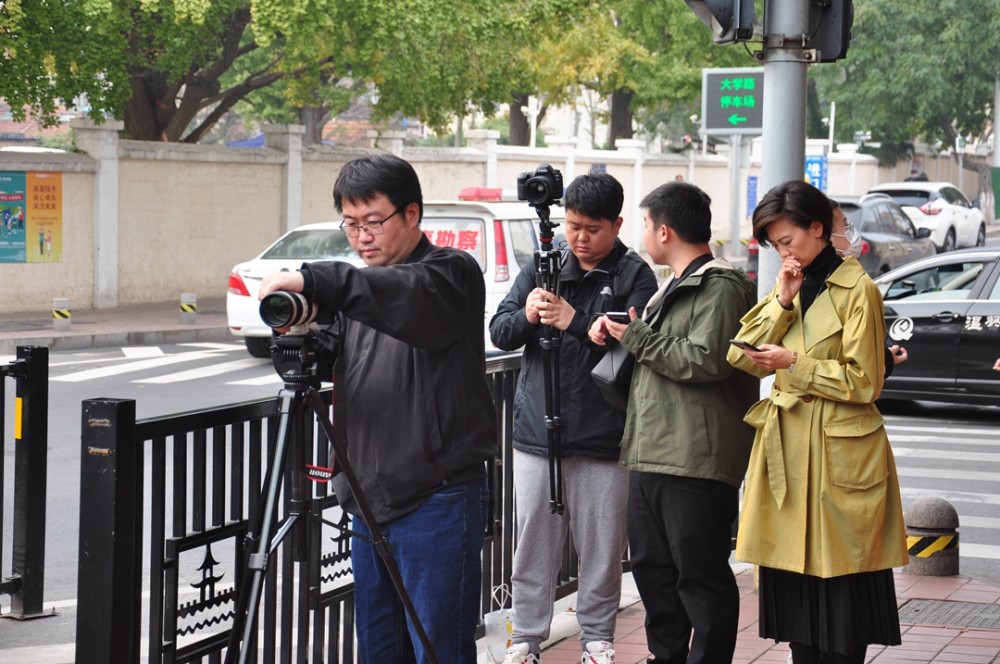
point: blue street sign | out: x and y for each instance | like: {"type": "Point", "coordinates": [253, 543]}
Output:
{"type": "Point", "coordinates": [816, 171]}
{"type": "Point", "coordinates": [751, 194]}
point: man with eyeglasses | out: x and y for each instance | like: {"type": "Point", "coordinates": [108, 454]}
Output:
{"type": "Point", "coordinates": [846, 239]}
{"type": "Point", "coordinates": [414, 408]}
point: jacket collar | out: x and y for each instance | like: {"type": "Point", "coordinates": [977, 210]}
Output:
{"type": "Point", "coordinates": [423, 248]}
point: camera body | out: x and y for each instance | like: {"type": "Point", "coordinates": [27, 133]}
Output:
{"type": "Point", "coordinates": [542, 187]}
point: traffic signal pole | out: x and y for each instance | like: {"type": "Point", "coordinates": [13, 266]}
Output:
{"type": "Point", "coordinates": [786, 22]}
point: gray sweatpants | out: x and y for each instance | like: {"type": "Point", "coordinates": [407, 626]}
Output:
{"type": "Point", "coordinates": [595, 496]}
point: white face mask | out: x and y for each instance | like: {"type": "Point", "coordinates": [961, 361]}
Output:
{"type": "Point", "coordinates": [852, 235]}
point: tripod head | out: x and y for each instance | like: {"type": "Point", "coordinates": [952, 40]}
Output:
{"type": "Point", "coordinates": [295, 357]}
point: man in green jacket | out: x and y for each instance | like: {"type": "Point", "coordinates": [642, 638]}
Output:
{"type": "Point", "coordinates": [685, 441]}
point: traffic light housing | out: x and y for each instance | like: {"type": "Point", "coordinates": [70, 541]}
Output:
{"type": "Point", "coordinates": [830, 26]}
{"type": "Point", "coordinates": [731, 21]}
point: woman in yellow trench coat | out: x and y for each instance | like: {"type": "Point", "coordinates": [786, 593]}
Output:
{"type": "Point", "coordinates": [821, 514]}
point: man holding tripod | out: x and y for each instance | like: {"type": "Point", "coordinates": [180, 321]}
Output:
{"type": "Point", "coordinates": [415, 411]}
{"type": "Point", "coordinates": [597, 274]}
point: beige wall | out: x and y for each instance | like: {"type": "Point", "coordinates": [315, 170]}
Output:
{"type": "Point", "coordinates": [187, 213]}
{"type": "Point", "coordinates": [188, 223]}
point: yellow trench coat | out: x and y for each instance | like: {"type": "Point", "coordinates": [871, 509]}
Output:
{"type": "Point", "coordinates": [822, 494]}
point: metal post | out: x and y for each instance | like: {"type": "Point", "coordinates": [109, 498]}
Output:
{"type": "Point", "coordinates": [735, 168]}
{"type": "Point", "coordinates": [784, 113]}
{"type": "Point", "coordinates": [30, 465]}
{"type": "Point", "coordinates": [110, 570]}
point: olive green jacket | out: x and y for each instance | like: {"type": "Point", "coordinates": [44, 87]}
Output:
{"type": "Point", "coordinates": [822, 495]}
{"type": "Point", "coordinates": [686, 405]}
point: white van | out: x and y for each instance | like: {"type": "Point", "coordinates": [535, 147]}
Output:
{"type": "Point", "coordinates": [503, 238]}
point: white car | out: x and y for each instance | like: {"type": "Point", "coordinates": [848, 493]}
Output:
{"type": "Point", "coordinates": [502, 237]}
{"type": "Point", "coordinates": [939, 206]}
{"type": "Point", "coordinates": [305, 244]}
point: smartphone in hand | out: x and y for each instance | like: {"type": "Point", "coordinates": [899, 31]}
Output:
{"type": "Point", "coordinates": [739, 343]}
{"type": "Point", "coordinates": [618, 316]}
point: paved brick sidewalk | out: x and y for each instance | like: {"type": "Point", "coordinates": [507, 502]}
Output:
{"type": "Point", "coordinates": [941, 644]}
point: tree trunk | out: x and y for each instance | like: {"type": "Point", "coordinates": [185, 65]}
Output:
{"type": "Point", "coordinates": [518, 125]}
{"type": "Point", "coordinates": [621, 116]}
{"type": "Point", "coordinates": [313, 118]}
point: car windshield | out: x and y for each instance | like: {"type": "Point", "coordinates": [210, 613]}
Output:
{"type": "Point", "coordinates": [909, 197]}
{"type": "Point", "coordinates": [311, 244]}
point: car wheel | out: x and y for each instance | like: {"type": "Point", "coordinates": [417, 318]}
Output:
{"type": "Point", "coordinates": [949, 241]}
{"type": "Point", "coordinates": [981, 236]}
{"type": "Point", "coordinates": [258, 346]}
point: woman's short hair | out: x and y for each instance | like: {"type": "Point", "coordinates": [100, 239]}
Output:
{"type": "Point", "coordinates": [795, 200]}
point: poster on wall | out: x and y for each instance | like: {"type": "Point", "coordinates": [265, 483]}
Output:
{"type": "Point", "coordinates": [30, 217]}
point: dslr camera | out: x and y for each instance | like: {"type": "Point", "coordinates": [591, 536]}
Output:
{"type": "Point", "coordinates": [543, 187]}
{"type": "Point", "coordinates": [283, 308]}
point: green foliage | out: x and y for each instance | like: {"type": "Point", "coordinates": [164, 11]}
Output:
{"type": "Point", "coordinates": [915, 69]}
{"type": "Point", "coordinates": [56, 50]}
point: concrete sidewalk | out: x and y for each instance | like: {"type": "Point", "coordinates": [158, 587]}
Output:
{"type": "Point", "coordinates": [944, 619]}
{"type": "Point", "coordinates": [132, 325]}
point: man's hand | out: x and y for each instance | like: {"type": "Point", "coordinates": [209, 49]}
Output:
{"type": "Point", "coordinates": [616, 330]}
{"type": "Point", "coordinates": [548, 309]}
{"type": "Point", "coordinates": [289, 281]}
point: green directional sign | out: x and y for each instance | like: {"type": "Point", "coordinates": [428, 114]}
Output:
{"type": "Point", "coordinates": [732, 100]}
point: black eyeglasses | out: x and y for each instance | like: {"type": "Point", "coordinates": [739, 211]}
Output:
{"type": "Point", "coordinates": [371, 227]}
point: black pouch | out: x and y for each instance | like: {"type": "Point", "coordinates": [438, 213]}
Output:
{"type": "Point", "coordinates": [613, 375]}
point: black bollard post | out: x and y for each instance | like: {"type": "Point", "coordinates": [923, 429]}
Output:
{"type": "Point", "coordinates": [110, 569]}
{"type": "Point", "coordinates": [31, 436]}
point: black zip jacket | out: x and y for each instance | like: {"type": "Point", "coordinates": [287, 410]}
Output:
{"type": "Point", "coordinates": [593, 428]}
{"type": "Point", "coordinates": [411, 397]}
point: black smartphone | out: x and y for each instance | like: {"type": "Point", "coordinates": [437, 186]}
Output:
{"type": "Point", "coordinates": [618, 316]}
{"type": "Point", "coordinates": [743, 344]}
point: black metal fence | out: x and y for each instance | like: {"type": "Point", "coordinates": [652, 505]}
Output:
{"type": "Point", "coordinates": [165, 506]}
{"type": "Point", "coordinates": [26, 581]}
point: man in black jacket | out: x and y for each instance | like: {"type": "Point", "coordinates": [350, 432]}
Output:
{"type": "Point", "coordinates": [414, 408]}
{"type": "Point", "coordinates": [597, 274]}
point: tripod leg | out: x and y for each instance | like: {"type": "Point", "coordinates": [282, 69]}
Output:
{"type": "Point", "coordinates": [379, 541]}
{"type": "Point", "coordinates": [245, 614]}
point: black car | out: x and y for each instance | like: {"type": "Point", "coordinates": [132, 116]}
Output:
{"type": "Point", "coordinates": [945, 310]}
{"type": "Point", "coordinates": [889, 238]}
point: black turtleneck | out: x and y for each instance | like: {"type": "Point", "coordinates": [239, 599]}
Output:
{"type": "Point", "coordinates": [814, 275]}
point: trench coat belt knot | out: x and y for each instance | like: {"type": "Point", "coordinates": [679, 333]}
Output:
{"type": "Point", "coordinates": [764, 417]}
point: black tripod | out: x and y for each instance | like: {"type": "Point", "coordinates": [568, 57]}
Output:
{"type": "Point", "coordinates": [295, 357]}
{"type": "Point", "coordinates": [547, 278]}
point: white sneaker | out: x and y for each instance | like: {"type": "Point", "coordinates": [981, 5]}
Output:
{"type": "Point", "coordinates": [519, 654]}
{"type": "Point", "coordinates": [598, 652]}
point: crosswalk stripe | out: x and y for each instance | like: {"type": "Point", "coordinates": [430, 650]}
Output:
{"type": "Point", "coordinates": [945, 430]}
{"type": "Point", "coordinates": [952, 496]}
{"type": "Point", "coordinates": [132, 367]}
{"type": "Point", "coordinates": [949, 455]}
{"type": "Point", "coordinates": [974, 438]}
{"type": "Point", "coordinates": [135, 352]}
{"type": "Point", "coordinates": [201, 372]}
{"type": "Point", "coordinates": [947, 474]}
{"type": "Point", "coordinates": [268, 379]}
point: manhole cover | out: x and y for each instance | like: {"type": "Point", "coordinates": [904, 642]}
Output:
{"type": "Point", "coordinates": [957, 614]}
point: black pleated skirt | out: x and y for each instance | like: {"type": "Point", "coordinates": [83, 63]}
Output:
{"type": "Point", "coordinates": [840, 614]}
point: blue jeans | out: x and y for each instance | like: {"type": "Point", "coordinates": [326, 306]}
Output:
{"type": "Point", "coordinates": [438, 549]}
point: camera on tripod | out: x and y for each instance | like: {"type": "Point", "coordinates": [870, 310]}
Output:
{"type": "Point", "coordinates": [541, 188]}
{"type": "Point", "coordinates": [283, 308]}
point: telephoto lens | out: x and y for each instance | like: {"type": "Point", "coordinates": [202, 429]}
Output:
{"type": "Point", "coordinates": [282, 309]}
